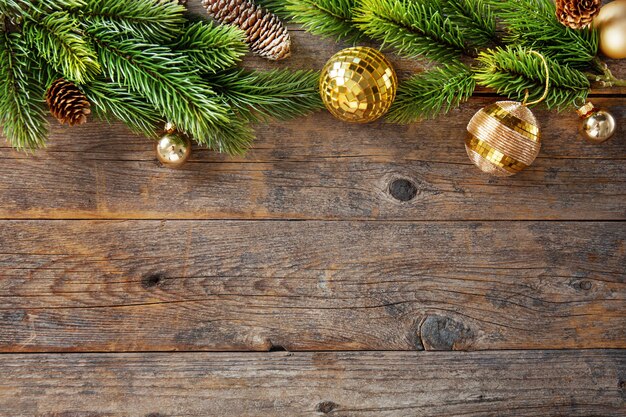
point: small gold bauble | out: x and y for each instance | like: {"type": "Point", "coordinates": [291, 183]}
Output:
{"type": "Point", "coordinates": [173, 150]}
{"type": "Point", "coordinates": [503, 139]}
{"type": "Point", "coordinates": [611, 24]}
{"type": "Point", "coordinates": [358, 85]}
{"type": "Point", "coordinates": [598, 125]}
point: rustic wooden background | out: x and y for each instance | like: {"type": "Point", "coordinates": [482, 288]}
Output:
{"type": "Point", "coordinates": [337, 270]}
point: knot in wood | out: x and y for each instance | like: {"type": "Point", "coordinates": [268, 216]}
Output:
{"type": "Point", "coordinates": [445, 333]}
{"type": "Point", "coordinates": [403, 189]}
{"type": "Point", "coordinates": [152, 280]}
{"type": "Point", "coordinates": [326, 407]}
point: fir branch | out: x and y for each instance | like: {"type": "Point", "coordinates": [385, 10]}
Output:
{"type": "Point", "coordinates": [110, 101]}
{"type": "Point", "coordinates": [155, 21]}
{"type": "Point", "coordinates": [327, 18]}
{"type": "Point", "coordinates": [533, 24]}
{"type": "Point", "coordinates": [212, 48]}
{"type": "Point", "coordinates": [412, 28]}
{"type": "Point", "coordinates": [16, 8]}
{"type": "Point", "coordinates": [272, 95]}
{"type": "Point", "coordinates": [431, 93]}
{"type": "Point", "coordinates": [162, 77]}
{"type": "Point", "coordinates": [56, 39]}
{"type": "Point", "coordinates": [275, 6]}
{"type": "Point", "coordinates": [513, 71]}
{"type": "Point", "coordinates": [22, 108]}
{"type": "Point", "coordinates": [474, 18]}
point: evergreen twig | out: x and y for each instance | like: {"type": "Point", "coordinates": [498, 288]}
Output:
{"type": "Point", "coordinates": [271, 95]}
{"type": "Point", "coordinates": [155, 21]}
{"type": "Point", "coordinates": [431, 93]}
{"type": "Point", "coordinates": [533, 24]}
{"type": "Point", "coordinates": [111, 102]}
{"type": "Point", "coordinates": [475, 19]}
{"type": "Point", "coordinates": [514, 71]}
{"type": "Point", "coordinates": [22, 109]}
{"type": "Point", "coordinates": [212, 48]}
{"type": "Point", "coordinates": [412, 28]}
{"type": "Point", "coordinates": [57, 40]}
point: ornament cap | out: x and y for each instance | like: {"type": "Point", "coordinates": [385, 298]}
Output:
{"type": "Point", "coordinates": [586, 110]}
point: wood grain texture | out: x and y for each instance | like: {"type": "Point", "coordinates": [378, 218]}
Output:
{"type": "Point", "coordinates": [572, 384]}
{"type": "Point", "coordinates": [317, 168]}
{"type": "Point", "coordinates": [260, 285]}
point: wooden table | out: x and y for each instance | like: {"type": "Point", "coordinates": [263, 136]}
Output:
{"type": "Point", "coordinates": [337, 270]}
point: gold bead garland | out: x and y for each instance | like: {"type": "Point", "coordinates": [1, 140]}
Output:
{"type": "Point", "coordinates": [358, 85]}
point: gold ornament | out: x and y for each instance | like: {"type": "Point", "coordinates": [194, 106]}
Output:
{"type": "Point", "coordinates": [358, 85]}
{"type": "Point", "coordinates": [598, 125]}
{"type": "Point", "coordinates": [505, 138]}
{"type": "Point", "coordinates": [173, 150]}
{"type": "Point", "coordinates": [611, 24]}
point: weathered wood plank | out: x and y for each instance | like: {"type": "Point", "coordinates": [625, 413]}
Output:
{"type": "Point", "coordinates": [240, 285]}
{"type": "Point", "coordinates": [539, 383]}
{"type": "Point", "coordinates": [317, 168]}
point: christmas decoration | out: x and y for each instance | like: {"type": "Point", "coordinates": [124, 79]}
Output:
{"type": "Point", "coordinates": [597, 125]}
{"type": "Point", "coordinates": [358, 85]}
{"type": "Point", "coordinates": [577, 14]}
{"type": "Point", "coordinates": [265, 33]}
{"type": "Point", "coordinates": [452, 34]}
{"type": "Point", "coordinates": [139, 61]}
{"type": "Point", "coordinates": [173, 149]}
{"type": "Point", "coordinates": [503, 138]}
{"type": "Point", "coordinates": [67, 103]}
{"type": "Point", "coordinates": [458, 37]}
{"type": "Point", "coordinates": [611, 25]}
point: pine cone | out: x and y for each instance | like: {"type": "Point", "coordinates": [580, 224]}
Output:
{"type": "Point", "coordinates": [266, 34]}
{"type": "Point", "coordinates": [577, 14]}
{"type": "Point", "coordinates": [67, 103]}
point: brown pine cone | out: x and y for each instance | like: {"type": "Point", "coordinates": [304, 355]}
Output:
{"type": "Point", "coordinates": [266, 35]}
{"type": "Point", "coordinates": [67, 103]}
{"type": "Point", "coordinates": [577, 14]}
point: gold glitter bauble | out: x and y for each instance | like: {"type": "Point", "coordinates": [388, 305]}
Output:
{"type": "Point", "coordinates": [503, 139]}
{"type": "Point", "coordinates": [358, 85]}
{"type": "Point", "coordinates": [611, 24]}
{"type": "Point", "coordinates": [598, 125]}
{"type": "Point", "coordinates": [173, 150]}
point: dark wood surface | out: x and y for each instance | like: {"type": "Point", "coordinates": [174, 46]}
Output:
{"type": "Point", "coordinates": [254, 285]}
{"type": "Point", "coordinates": [399, 279]}
{"type": "Point", "coordinates": [370, 384]}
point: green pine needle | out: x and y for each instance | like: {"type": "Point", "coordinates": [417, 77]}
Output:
{"type": "Point", "coordinates": [16, 8]}
{"type": "Point", "coordinates": [155, 21]}
{"type": "Point", "coordinates": [110, 101]}
{"type": "Point", "coordinates": [533, 24]}
{"type": "Point", "coordinates": [57, 40]}
{"type": "Point", "coordinates": [412, 28]}
{"type": "Point", "coordinates": [431, 93]}
{"type": "Point", "coordinates": [327, 18]}
{"type": "Point", "coordinates": [272, 95]}
{"type": "Point", "coordinates": [513, 71]}
{"type": "Point", "coordinates": [212, 48]}
{"type": "Point", "coordinates": [474, 18]}
{"type": "Point", "coordinates": [275, 6]}
{"type": "Point", "coordinates": [22, 108]}
{"type": "Point", "coordinates": [162, 77]}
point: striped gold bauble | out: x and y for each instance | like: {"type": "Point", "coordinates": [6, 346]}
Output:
{"type": "Point", "coordinates": [504, 138]}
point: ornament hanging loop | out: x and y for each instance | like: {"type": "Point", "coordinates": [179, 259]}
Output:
{"type": "Point", "coordinates": [525, 103]}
